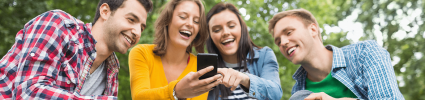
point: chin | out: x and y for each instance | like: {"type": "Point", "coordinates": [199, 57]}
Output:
{"type": "Point", "coordinates": [296, 62]}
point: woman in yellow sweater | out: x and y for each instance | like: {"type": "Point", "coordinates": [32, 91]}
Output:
{"type": "Point", "coordinates": [167, 69]}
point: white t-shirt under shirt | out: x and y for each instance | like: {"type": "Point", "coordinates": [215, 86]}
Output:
{"type": "Point", "coordinates": [95, 83]}
{"type": "Point", "coordinates": [238, 93]}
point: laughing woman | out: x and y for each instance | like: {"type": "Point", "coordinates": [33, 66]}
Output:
{"type": "Point", "coordinates": [250, 72]}
{"type": "Point", "coordinates": [167, 68]}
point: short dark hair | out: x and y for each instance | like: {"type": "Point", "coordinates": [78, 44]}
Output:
{"type": "Point", "coordinates": [115, 4]}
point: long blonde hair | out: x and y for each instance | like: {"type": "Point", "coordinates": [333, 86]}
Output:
{"type": "Point", "coordinates": [164, 19]}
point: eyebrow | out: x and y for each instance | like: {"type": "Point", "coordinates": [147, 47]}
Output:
{"type": "Point", "coordinates": [220, 25]}
{"type": "Point", "coordinates": [134, 15]}
{"type": "Point", "coordinates": [288, 28]}
{"type": "Point", "coordinates": [185, 12]}
{"type": "Point", "coordinates": [284, 30]}
{"type": "Point", "coordinates": [137, 19]}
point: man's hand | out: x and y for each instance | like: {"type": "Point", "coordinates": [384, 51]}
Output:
{"type": "Point", "coordinates": [190, 85]}
{"type": "Point", "coordinates": [233, 78]}
{"type": "Point", "coordinates": [323, 96]}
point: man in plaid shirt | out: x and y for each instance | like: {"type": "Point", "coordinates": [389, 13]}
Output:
{"type": "Point", "coordinates": [55, 54]}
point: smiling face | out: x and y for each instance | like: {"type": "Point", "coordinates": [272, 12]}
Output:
{"type": "Point", "coordinates": [123, 28]}
{"type": "Point", "coordinates": [295, 40]}
{"type": "Point", "coordinates": [225, 31]}
{"type": "Point", "coordinates": [184, 25]}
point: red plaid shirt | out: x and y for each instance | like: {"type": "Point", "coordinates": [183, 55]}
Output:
{"type": "Point", "coordinates": [50, 60]}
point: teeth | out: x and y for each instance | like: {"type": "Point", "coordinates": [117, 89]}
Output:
{"type": "Point", "coordinates": [127, 39]}
{"type": "Point", "coordinates": [228, 40]}
{"type": "Point", "coordinates": [187, 32]}
{"type": "Point", "coordinates": [291, 50]}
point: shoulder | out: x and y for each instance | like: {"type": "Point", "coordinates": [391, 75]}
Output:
{"type": "Point", "coordinates": [363, 45]}
{"type": "Point", "coordinates": [365, 48]}
{"type": "Point", "coordinates": [144, 50]}
{"type": "Point", "coordinates": [144, 46]}
{"type": "Point", "coordinates": [263, 49]}
{"type": "Point", "coordinates": [56, 16]}
{"type": "Point", "coordinates": [264, 52]}
{"type": "Point", "coordinates": [55, 22]}
{"type": "Point", "coordinates": [193, 56]}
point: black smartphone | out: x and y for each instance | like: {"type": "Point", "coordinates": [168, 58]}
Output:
{"type": "Point", "coordinates": [204, 60]}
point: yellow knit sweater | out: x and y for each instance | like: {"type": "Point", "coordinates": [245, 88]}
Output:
{"type": "Point", "coordinates": [147, 77]}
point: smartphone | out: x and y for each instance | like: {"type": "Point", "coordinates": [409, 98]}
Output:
{"type": "Point", "coordinates": [204, 60]}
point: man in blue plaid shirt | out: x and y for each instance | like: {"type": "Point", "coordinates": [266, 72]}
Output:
{"type": "Point", "coordinates": [357, 71]}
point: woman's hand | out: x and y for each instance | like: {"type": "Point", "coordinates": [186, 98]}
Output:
{"type": "Point", "coordinates": [190, 85]}
{"type": "Point", "coordinates": [233, 78]}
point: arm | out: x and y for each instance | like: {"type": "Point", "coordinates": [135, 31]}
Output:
{"type": "Point", "coordinates": [188, 87]}
{"type": "Point", "coordinates": [43, 49]}
{"type": "Point", "coordinates": [268, 84]}
{"type": "Point", "coordinates": [140, 78]}
{"type": "Point", "coordinates": [381, 80]}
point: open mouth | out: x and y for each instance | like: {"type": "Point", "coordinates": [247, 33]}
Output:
{"type": "Point", "coordinates": [292, 49]}
{"type": "Point", "coordinates": [128, 39]}
{"type": "Point", "coordinates": [186, 33]}
{"type": "Point", "coordinates": [227, 41]}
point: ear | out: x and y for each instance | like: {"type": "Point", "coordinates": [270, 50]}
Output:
{"type": "Point", "coordinates": [105, 12]}
{"type": "Point", "coordinates": [314, 30]}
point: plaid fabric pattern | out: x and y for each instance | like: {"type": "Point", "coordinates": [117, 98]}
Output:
{"type": "Point", "coordinates": [364, 68]}
{"type": "Point", "coordinates": [50, 59]}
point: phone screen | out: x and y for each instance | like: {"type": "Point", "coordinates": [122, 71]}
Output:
{"type": "Point", "coordinates": [204, 60]}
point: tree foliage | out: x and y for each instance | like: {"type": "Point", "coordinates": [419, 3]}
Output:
{"type": "Point", "coordinates": [382, 20]}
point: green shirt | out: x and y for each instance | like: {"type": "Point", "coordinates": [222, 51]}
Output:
{"type": "Point", "coordinates": [330, 86]}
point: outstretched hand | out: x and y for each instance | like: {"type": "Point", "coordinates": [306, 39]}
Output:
{"type": "Point", "coordinates": [233, 78]}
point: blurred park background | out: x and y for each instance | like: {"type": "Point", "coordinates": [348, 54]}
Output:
{"type": "Point", "coordinates": [397, 25]}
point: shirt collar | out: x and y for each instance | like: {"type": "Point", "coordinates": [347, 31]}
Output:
{"type": "Point", "coordinates": [338, 61]}
{"type": "Point", "coordinates": [256, 54]}
{"type": "Point", "coordinates": [88, 28]}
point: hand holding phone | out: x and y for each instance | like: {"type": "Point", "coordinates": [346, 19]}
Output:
{"type": "Point", "coordinates": [190, 85]}
{"type": "Point", "coordinates": [204, 60]}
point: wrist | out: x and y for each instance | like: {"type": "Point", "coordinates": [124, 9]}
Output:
{"type": "Point", "coordinates": [176, 92]}
{"type": "Point", "coordinates": [245, 79]}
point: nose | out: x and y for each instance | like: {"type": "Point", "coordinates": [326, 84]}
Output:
{"type": "Point", "coordinates": [190, 23]}
{"type": "Point", "coordinates": [284, 41]}
{"type": "Point", "coordinates": [136, 32]}
{"type": "Point", "coordinates": [226, 31]}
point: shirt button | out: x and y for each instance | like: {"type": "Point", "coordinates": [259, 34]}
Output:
{"type": "Point", "coordinates": [68, 82]}
{"type": "Point", "coordinates": [253, 93]}
{"type": "Point", "coordinates": [32, 54]}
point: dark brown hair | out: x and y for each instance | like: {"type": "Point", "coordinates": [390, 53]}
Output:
{"type": "Point", "coordinates": [115, 4]}
{"type": "Point", "coordinates": [245, 45]}
{"type": "Point", "coordinates": [303, 15]}
{"type": "Point", "coordinates": [164, 19]}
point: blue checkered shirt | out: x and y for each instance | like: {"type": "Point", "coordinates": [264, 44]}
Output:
{"type": "Point", "coordinates": [364, 68]}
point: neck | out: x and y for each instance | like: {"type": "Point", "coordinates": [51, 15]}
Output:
{"type": "Point", "coordinates": [318, 65]}
{"type": "Point", "coordinates": [175, 55]}
{"type": "Point", "coordinates": [101, 47]}
{"type": "Point", "coordinates": [230, 58]}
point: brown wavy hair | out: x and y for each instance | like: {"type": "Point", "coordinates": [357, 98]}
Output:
{"type": "Point", "coordinates": [246, 46]}
{"type": "Point", "coordinates": [164, 19]}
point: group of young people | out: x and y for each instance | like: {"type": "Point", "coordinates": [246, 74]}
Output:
{"type": "Point", "coordinates": [56, 56]}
